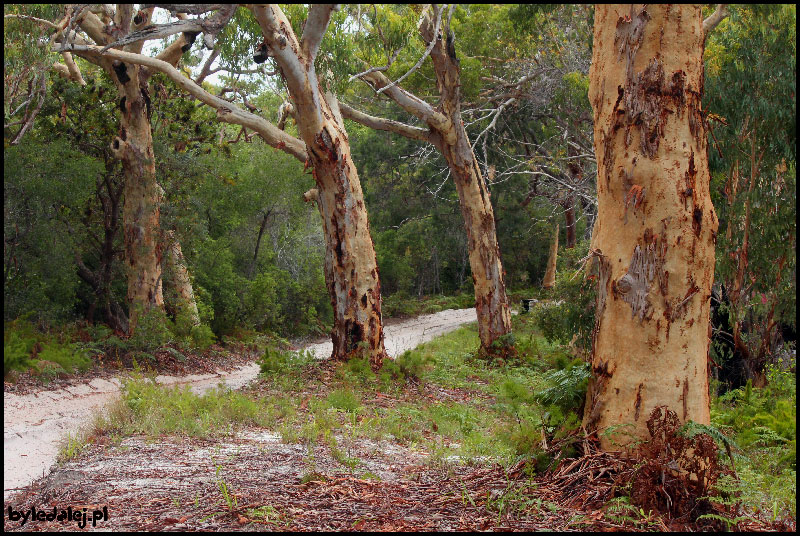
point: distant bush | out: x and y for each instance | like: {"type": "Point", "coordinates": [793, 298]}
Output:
{"type": "Point", "coordinates": [275, 360]}
{"type": "Point", "coordinates": [153, 330]}
{"type": "Point", "coordinates": [202, 337]}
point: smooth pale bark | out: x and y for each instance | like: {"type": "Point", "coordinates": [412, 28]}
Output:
{"type": "Point", "coordinates": [350, 261]}
{"type": "Point", "coordinates": [180, 281]}
{"type": "Point", "coordinates": [656, 226]}
{"type": "Point", "coordinates": [550, 275]}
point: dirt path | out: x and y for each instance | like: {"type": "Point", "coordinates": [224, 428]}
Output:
{"type": "Point", "coordinates": [34, 424]}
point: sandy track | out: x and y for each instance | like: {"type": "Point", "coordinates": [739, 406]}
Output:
{"type": "Point", "coordinates": [34, 424]}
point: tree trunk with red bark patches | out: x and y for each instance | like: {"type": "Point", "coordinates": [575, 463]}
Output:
{"type": "Point", "coordinates": [353, 282]}
{"type": "Point", "coordinates": [445, 130]}
{"type": "Point", "coordinates": [350, 264]}
{"type": "Point", "coordinates": [141, 210]}
{"type": "Point", "coordinates": [656, 226]}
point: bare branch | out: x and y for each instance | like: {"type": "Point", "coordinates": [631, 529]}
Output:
{"type": "Point", "coordinates": [209, 26]}
{"type": "Point", "coordinates": [410, 103]}
{"type": "Point", "coordinates": [29, 117]}
{"type": "Point", "coordinates": [206, 70]}
{"type": "Point", "coordinates": [158, 31]}
{"type": "Point", "coordinates": [286, 110]}
{"type": "Point", "coordinates": [380, 123]}
{"type": "Point", "coordinates": [28, 17]}
{"type": "Point", "coordinates": [93, 26]}
{"type": "Point", "coordinates": [715, 18]}
{"type": "Point", "coordinates": [502, 107]}
{"type": "Point", "coordinates": [319, 16]}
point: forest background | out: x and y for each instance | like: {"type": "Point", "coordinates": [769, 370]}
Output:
{"type": "Point", "coordinates": [254, 248]}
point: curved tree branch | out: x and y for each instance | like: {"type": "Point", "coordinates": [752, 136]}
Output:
{"type": "Point", "coordinates": [380, 123]}
{"type": "Point", "coordinates": [226, 111]}
{"type": "Point", "coordinates": [715, 18]}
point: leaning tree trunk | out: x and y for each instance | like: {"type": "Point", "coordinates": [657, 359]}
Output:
{"type": "Point", "coordinates": [550, 275]}
{"type": "Point", "coordinates": [350, 260]}
{"type": "Point", "coordinates": [445, 130]}
{"type": "Point", "coordinates": [134, 147]}
{"type": "Point", "coordinates": [656, 226]}
{"type": "Point", "coordinates": [185, 306]}
{"type": "Point", "coordinates": [491, 301]}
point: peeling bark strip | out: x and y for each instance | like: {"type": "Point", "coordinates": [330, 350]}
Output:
{"type": "Point", "coordinates": [634, 287]}
{"type": "Point", "coordinates": [651, 331]}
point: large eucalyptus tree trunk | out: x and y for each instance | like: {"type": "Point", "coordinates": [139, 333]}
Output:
{"type": "Point", "coordinates": [656, 226]}
{"type": "Point", "coordinates": [491, 301]}
{"type": "Point", "coordinates": [350, 264]}
{"type": "Point", "coordinates": [350, 261]}
{"type": "Point", "coordinates": [134, 148]}
{"type": "Point", "coordinates": [141, 231]}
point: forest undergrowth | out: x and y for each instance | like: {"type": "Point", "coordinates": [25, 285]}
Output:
{"type": "Point", "coordinates": [516, 424]}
